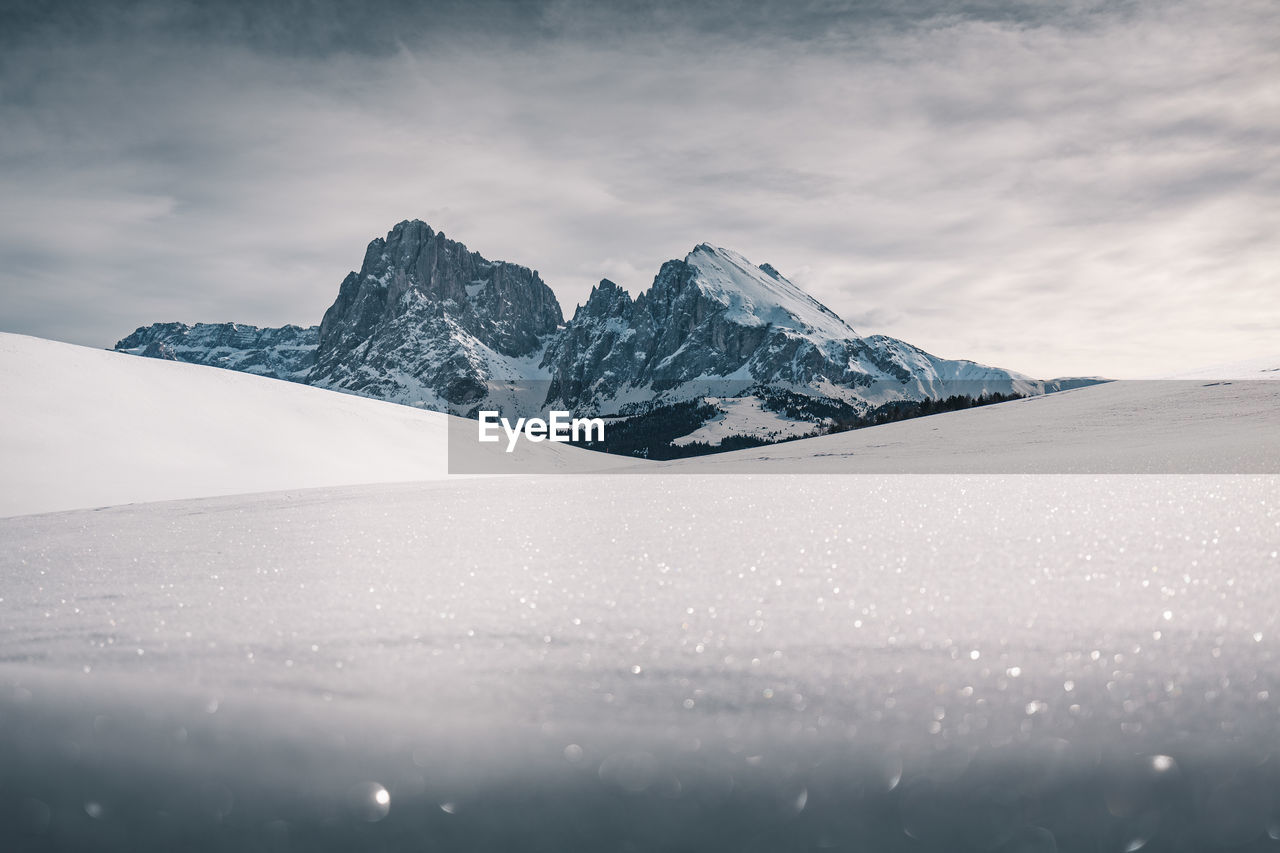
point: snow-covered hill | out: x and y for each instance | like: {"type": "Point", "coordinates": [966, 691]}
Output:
{"type": "Point", "coordinates": [85, 427]}
{"type": "Point", "coordinates": [1124, 427]}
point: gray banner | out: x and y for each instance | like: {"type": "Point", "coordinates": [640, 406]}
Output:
{"type": "Point", "coordinates": [1121, 427]}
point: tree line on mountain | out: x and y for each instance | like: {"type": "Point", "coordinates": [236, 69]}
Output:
{"type": "Point", "coordinates": [901, 410]}
{"type": "Point", "coordinates": [649, 434]}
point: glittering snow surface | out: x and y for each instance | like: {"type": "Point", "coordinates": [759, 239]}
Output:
{"type": "Point", "coordinates": [675, 663]}
{"type": "Point", "coordinates": [696, 662]}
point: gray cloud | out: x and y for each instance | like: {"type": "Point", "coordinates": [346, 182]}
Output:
{"type": "Point", "coordinates": [1056, 188]}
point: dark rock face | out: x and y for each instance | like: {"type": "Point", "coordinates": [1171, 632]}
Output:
{"type": "Point", "coordinates": [716, 324]}
{"type": "Point", "coordinates": [598, 351]}
{"type": "Point", "coordinates": [284, 353]}
{"type": "Point", "coordinates": [426, 321]}
{"type": "Point", "coordinates": [506, 305]}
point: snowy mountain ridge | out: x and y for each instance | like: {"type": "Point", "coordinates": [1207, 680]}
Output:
{"type": "Point", "coordinates": [760, 295]}
{"type": "Point", "coordinates": [284, 353]}
{"type": "Point", "coordinates": [427, 322]}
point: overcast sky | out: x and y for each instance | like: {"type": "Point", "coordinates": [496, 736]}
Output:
{"type": "Point", "coordinates": [1059, 188]}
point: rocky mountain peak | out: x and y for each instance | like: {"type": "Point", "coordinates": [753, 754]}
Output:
{"type": "Point", "coordinates": [753, 295]}
{"type": "Point", "coordinates": [711, 316]}
{"type": "Point", "coordinates": [413, 266]}
{"type": "Point", "coordinates": [607, 299]}
{"type": "Point", "coordinates": [419, 291]}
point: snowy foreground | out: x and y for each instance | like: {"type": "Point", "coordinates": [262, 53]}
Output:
{"type": "Point", "coordinates": [740, 662]}
{"type": "Point", "coordinates": [692, 663]}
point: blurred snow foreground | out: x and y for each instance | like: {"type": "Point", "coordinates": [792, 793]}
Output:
{"type": "Point", "coordinates": [960, 661]}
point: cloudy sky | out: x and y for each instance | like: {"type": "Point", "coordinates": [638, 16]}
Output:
{"type": "Point", "coordinates": [1058, 187]}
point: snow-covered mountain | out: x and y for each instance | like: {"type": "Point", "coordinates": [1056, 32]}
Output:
{"type": "Point", "coordinates": [716, 323]}
{"type": "Point", "coordinates": [426, 322]}
{"type": "Point", "coordinates": [284, 353]}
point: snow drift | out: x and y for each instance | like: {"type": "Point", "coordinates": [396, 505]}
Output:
{"type": "Point", "coordinates": [85, 428]}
